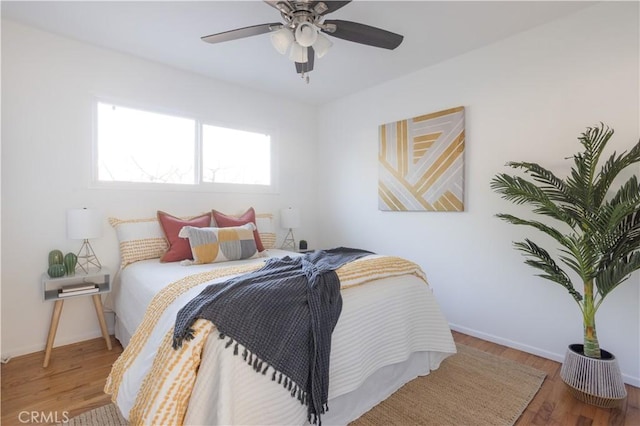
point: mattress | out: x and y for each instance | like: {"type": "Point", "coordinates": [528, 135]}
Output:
{"type": "Point", "coordinates": [390, 331]}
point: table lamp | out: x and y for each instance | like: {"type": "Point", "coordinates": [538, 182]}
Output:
{"type": "Point", "coordinates": [84, 224]}
{"type": "Point", "coordinates": [289, 219]}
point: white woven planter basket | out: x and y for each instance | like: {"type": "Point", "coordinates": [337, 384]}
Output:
{"type": "Point", "coordinates": [594, 381]}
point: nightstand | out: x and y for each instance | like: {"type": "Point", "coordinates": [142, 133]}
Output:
{"type": "Point", "coordinates": [93, 284]}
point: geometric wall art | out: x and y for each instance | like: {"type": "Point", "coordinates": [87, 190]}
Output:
{"type": "Point", "coordinates": [421, 163]}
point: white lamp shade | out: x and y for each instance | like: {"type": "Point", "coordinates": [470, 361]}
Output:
{"type": "Point", "coordinates": [306, 34]}
{"type": "Point", "coordinates": [290, 218]}
{"type": "Point", "coordinates": [298, 54]}
{"type": "Point", "coordinates": [282, 39]}
{"type": "Point", "coordinates": [322, 45]}
{"type": "Point", "coordinates": [84, 224]}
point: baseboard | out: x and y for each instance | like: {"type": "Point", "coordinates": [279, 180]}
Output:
{"type": "Point", "coordinates": [25, 350]}
{"type": "Point", "coordinates": [630, 380]}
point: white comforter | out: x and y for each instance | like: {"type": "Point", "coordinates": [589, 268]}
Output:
{"type": "Point", "coordinates": [383, 323]}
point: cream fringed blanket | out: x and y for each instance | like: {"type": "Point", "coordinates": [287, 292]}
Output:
{"type": "Point", "coordinates": [152, 383]}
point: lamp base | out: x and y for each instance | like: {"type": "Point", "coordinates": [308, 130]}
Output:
{"type": "Point", "coordinates": [87, 257]}
{"type": "Point", "coordinates": [289, 241]}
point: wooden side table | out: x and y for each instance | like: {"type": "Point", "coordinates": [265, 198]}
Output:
{"type": "Point", "coordinates": [93, 284]}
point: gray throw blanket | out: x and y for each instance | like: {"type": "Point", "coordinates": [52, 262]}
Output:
{"type": "Point", "coordinates": [283, 314]}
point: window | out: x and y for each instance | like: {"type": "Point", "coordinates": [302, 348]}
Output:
{"type": "Point", "coordinates": [234, 156]}
{"type": "Point", "coordinates": [141, 146]}
{"type": "Point", "coordinates": [136, 146]}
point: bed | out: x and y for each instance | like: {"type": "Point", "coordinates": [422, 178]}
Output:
{"type": "Point", "coordinates": [390, 331]}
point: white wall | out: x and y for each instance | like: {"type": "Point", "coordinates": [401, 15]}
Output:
{"type": "Point", "coordinates": [527, 98]}
{"type": "Point", "coordinates": [48, 86]}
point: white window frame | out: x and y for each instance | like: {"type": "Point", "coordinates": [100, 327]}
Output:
{"type": "Point", "coordinates": [199, 185]}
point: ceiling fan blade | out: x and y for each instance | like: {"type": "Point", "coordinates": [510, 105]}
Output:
{"type": "Point", "coordinates": [364, 34]}
{"type": "Point", "coordinates": [332, 6]}
{"type": "Point", "coordinates": [242, 32]}
{"type": "Point", "coordinates": [307, 66]}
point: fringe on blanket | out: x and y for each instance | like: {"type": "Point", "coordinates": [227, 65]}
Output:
{"type": "Point", "coordinates": [260, 366]}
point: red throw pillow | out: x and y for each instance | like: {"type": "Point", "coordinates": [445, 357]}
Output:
{"type": "Point", "coordinates": [179, 248]}
{"type": "Point", "coordinates": [224, 221]}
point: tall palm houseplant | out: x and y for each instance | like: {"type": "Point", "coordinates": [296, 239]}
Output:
{"type": "Point", "coordinates": [599, 233]}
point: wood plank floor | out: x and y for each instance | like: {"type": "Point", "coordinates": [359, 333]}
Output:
{"type": "Point", "coordinates": [74, 380]}
{"type": "Point", "coordinates": [553, 404]}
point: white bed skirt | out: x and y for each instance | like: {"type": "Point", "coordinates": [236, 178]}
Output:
{"type": "Point", "coordinates": [375, 389]}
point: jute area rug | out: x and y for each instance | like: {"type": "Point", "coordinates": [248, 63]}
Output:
{"type": "Point", "coordinates": [470, 388]}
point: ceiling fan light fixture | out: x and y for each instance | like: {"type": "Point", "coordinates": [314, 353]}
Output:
{"type": "Point", "coordinates": [282, 39]}
{"type": "Point", "coordinates": [298, 54]}
{"type": "Point", "coordinates": [301, 33]}
{"type": "Point", "coordinates": [306, 34]}
{"type": "Point", "coordinates": [322, 45]}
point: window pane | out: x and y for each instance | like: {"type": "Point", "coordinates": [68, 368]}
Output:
{"type": "Point", "coordinates": [140, 146]}
{"type": "Point", "coordinates": [235, 156]}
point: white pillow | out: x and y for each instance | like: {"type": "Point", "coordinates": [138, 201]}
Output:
{"type": "Point", "coordinates": [139, 239]}
{"type": "Point", "coordinates": [264, 222]}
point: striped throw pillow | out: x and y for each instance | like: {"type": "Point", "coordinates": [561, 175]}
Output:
{"type": "Point", "coordinates": [139, 239]}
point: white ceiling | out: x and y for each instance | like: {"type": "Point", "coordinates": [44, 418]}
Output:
{"type": "Point", "coordinates": [169, 32]}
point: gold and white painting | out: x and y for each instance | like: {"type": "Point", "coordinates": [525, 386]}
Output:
{"type": "Point", "coordinates": [421, 163]}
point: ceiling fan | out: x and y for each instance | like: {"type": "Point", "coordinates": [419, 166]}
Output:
{"type": "Point", "coordinates": [301, 33]}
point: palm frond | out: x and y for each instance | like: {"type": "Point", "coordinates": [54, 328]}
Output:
{"type": "Point", "coordinates": [616, 273]}
{"type": "Point", "coordinates": [612, 168]}
{"type": "Point", "coordinates": [629, 192]}
{"type": "Point", "coordinates": [552, 232]}
{"type": "Point", "coordinates": [553, 186]}
{"type": "Point", "coordinates": [518, 190]}
{"type": "Point", "coordinates": [540, 259]}
{"type": "Point", "coordinates": [583, 174]}
{"type": "Point", "coordinates": [622, 240]}
{"type": "Point", "coordinates": [617, 224]}
{"type": "Point", "coordinates": [521, 191]}
{"type": "Point", "coordinates": [578, 265]}
{"type": "Point", "coordinates": [594, 139]}
{"type": "Point", "coordinates": [579, 256]}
